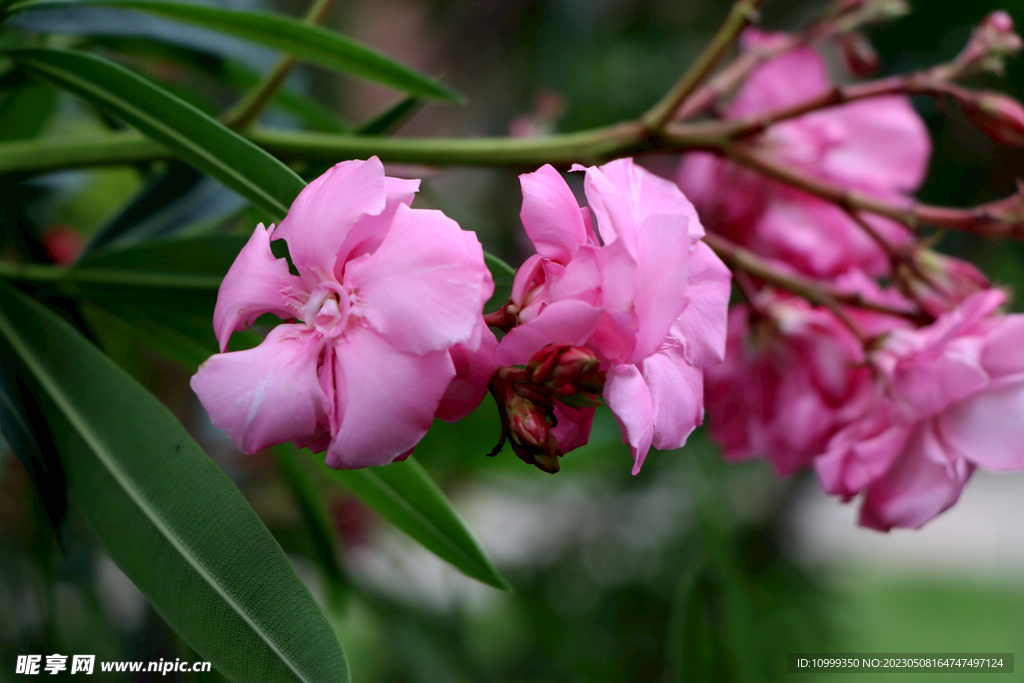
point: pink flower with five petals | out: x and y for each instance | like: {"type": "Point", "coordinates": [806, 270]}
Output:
{"type": "Point", "coordinates": [383, 294]}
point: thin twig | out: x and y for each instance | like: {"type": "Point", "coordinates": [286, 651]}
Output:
{"type": "Point", "coordinates": [820, 293]}
{"type": "Point", "coordinates": [743, 13]}
{"type": "Point", "coordinates": [249, 108]}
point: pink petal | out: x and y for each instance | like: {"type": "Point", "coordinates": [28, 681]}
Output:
{"type": "Point", "coordinates": [573, 426]}
{"type": "Point", "coordinates": [626, 394]}
{"type": "Point", "coordinates": [424, 288]}
{"type": "Point", "coordinates": [255, 284]}
{"type": "Point", "coordinates": [622, 195]}
{"type": "Point", "coordinates": [815, 237]}
{"type": "Point", "coordinates": [931, 383]}
{"type": "Point", "coordinates": [729, 197]}
{"type": "Point", "coordinates": [266, 395]}
{"type": "Point", "coordinates": [702, 325]}
{"type": "Point", "coordinates": [581, 279]}
{"type": "Point", "coordinates": [473, 370]}
{"type": "Point", "coordinates": [663, 257]}
{"type": "Point", "coordinates": [859, 454]}
{"type": "Point", "coordinates": [616, 334]}
{"type": "Point", "coordinates": [563, 322]}
{"type": "Point", "coordinates": [785, 80]}
{"type": "Point", "coordinates": [988, 428]}
{"type": "Point", "coordinates": [888, 145]}
{"type": "Point", "coordinates": [321, 217]}
{"type": "Point", "coordinates": [389, 397]}
{"type": "Point", "coordinates": [610, 206]}
{"type": "Point", "coordinates": [368, 232]}
{"type": "Point", "coordinates": [551, 214]}
{"type": "Point", "coordinates": [926, 480]}
{"type": "Point", "coordinates": [1004, 346]}
{"type": "Point", "coordinates": [677, 397]}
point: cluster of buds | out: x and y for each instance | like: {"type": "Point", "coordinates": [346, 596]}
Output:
{"type": "Point", "coordinates": [526, 400]}
{"type": "Point", "coordinates": [570, 372]}
{"type": "Point", "coordinates": [992, 42]}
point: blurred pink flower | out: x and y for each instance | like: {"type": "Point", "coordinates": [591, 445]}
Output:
{"type": "Point", "coordinates": [649, 298]}
{"type": "Point", "coordinates": [950, 398]}
{"type": "Point", "coordinates": [793, 375]}
{"type": "Point", "coordinates": [382, 295]}
{"type": "Point", "coordinates": [878, 146]}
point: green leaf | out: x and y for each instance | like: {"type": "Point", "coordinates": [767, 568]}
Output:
{"type": "Point", "coordinates": [166, 514]}
{"type": "Point", "coordinates": [140, 287]}
{"type": "Point", "coordinates": [191, 134]}
{"type": "Point", "coordinates": [503, 275]}
{"type": "Point", "coordinates": [36, 451]}
{"type": "Point", "coordinates": [318, 525]}
{"type": "Point", "coordinates": [405, 495]}
{"type": "Point", "coordinates": [305, 41]}
{"type": "Point", "coordinates": [25, 107]}
{"type": "Point", "coordinates": [390, 119]}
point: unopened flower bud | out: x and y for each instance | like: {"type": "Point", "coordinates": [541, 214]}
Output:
{"type": "Point", "coordinates": [530, 435]}
{"type": "Point", "coordinates": [570, 372]}
{"type": "Point", "coordinates": [859, 55]}
{"type": "Point", "coordinates": [1000, 218]}
{"type": "Point", "coordinates": [527, 424]}
{"type": "Point", "coordinates": [1000, 116]}
{"type": "Point", "coordinates": [992, 41]}
{"type": "Point", "coordinates": [527, 416]}
{"type": "Point", "coordinates": [944, 282]}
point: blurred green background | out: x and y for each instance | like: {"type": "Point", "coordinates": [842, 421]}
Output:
{"type": "Point", "coordinates": [692, 570]}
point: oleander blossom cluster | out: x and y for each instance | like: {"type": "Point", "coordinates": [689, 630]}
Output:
{"type": "Point", "coordinates": [898, 400]}
{"type": "Point", "coordinates": [641, 296]}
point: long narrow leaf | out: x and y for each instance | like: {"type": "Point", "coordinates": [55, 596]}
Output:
{"type": "Point", "coordinates": [191, 134]}
{"type": "Point", "coordinates": [318, 525]}
{"type": "Point", "coordinates": [166, 513]}
{"type": "Point", "coordinates": [405, 495]}
{"type": "Point", "coordinates": [391, 118]}
{"type": "Point", "coordinates": [38, 455]}
{"type": "Point", "coordinates": [305, 41]}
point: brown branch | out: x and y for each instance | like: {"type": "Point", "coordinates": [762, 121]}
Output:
{"type": "Point", "coordinates": [814, 291]}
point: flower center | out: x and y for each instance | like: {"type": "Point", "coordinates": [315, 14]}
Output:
{"type": "Point", "coordinates": [327, 309]}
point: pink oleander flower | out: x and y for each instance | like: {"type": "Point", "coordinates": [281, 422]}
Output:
{"type": "Point", "coordinates": [878, 146]}
{"type": "Point", "coordinates": [648, 297]}
{"type": "Point", "coordinates": [793, 376]}
{"type": "Point", "coordinates": [950, 397]}
{"type": "Point", "coordinates": [386, 303]}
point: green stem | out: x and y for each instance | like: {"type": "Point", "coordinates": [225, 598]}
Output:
{"type": "Point", "coordinates": [31, 157]}
{"type": "Point", "coordinates": [129, 147]}
{"type": "Point", "coordinates": [33, 272]}
{"type": "Point", "coordinates": [741, 16]}
{"type": "Point", "coordinates": [249, 108]}
{"type": "Point", "coordinates": [561, 150]}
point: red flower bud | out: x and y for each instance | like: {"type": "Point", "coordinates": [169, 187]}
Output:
{"type": "Point", "coordinates": [527, 416]}
{"type": "Point", "coordinates": [1000, 116]}
{"type": "Point", "coordinates": [558, 365]}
